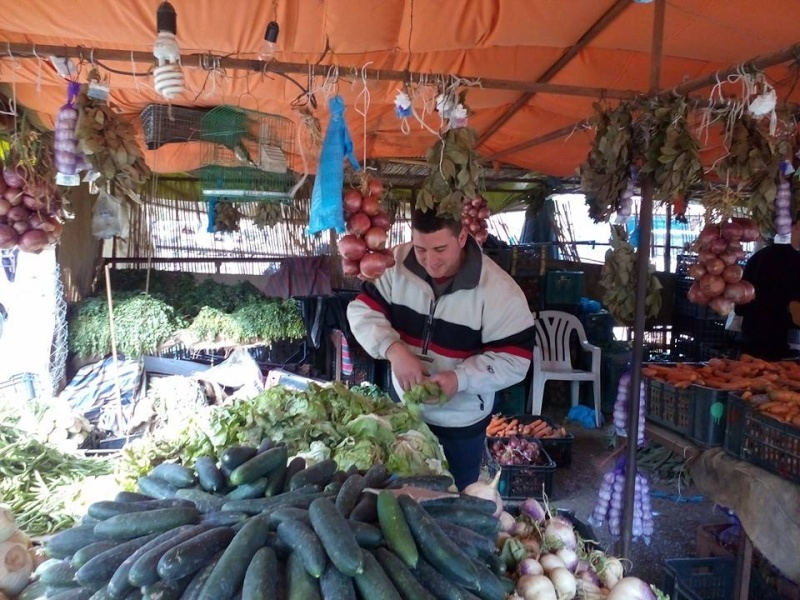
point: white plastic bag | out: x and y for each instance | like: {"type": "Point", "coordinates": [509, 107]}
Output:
{"type": "Point", "coordinates": [110, 217]}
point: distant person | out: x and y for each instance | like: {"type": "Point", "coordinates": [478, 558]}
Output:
{"type": "Point", "coordinates": [774, 272]}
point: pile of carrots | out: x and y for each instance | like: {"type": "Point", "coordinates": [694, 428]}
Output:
{"type": "Point", "coordinates": [779, 382]}
{"type": "Point", "coordinates": [501, 426]}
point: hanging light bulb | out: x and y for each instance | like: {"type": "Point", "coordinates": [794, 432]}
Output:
{"type": "Point", "coordinates": [266, 52]}
{"type": "Point", "coordinates": [168, 75]}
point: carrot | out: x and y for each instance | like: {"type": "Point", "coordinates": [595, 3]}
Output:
{"type": "Point", "coordinates": [784, 396]}
{"type": "Point", "coordinates": [796, 421]}
{"type": "Point", "coordinates": [776, 408]}
{"type": "Point", "coordinates": [747, 394]}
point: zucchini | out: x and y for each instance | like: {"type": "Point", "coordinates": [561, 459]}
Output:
{"type": "Point", "coordinates": [335, 585]}
{"type": "Point", "coordinates": [439, 483]}
{"type": "Point", "coordinates": [167, 590]}
{"type": "Point", "coordinates": [35, 590]}
{"type": "Point", "coordinates": [395, 529]}
{"type": "Point", "coordinates": [367, 536]}
{"type": "Point", "coordinates": [132, 525]}
{"type": "Point", "coordinates": [373, 582]}
{"type": "Point", "coordinates": [336, 536]}
{"type": "Point", "coordinates": [260, 465]}
{"type": "Point", "coordinates": [300, 585]}
{"type": "Point", "coordinates": [474, 544]}
{"type": "Point", "coordinates": [288, 513]}
{"type": "Point", "coordinates": [436, 547]}
{"type": "Point", "coordinates": [317, 474]}
{"type": "Point", "coordinates": [463, 501]}
{"type": "Point", "coordinates": [375, 477]}
{"type": "Point", "coordinates": [190, 556]}
{"type": "Point", "coordinates": [229, 572]}
{"type": "Point", "coordinates": [105, 509]}
{"type": "Point", "coordinates": [177, 475]}
{"type": "Point", "coordinates": [254, 489]}
{"type": "Point", "coordinates": [205, 502]}
{"type": "Point", "coordinates": [69, 541]}
{"type": "Point", "coordinates": [349, 493]}
{"type": "Point", "coordinates": [98, 570]}
{"type": "Point", "coordinates": [199, 579]}
{"type": "Point", "coordinates": [61, 573]}
{"type": "Point", "coordinates": [402, 577]}
{"type": "Point", "coordinates": [489, 586]}
{"type": "Point", "coordinates": [261, 578]}
{"type": "Point", "coordinates": [131, 497]}
{"type": "Point", "coordinates": [297, 464]}
{"type": "Point", "coordinates": [436, 583]}
{"type": "Point", "coordinates": [301, 497]}
{"type": "Point", "coordinates": [276, 480]}
{"type": "Point", "coordinates": [119, 584]}
{"type": "Point", "coordinates": [210, 477]}
{"type": "Point", "coordinates": [305, 544]}
{"type": "Point", "coordinates": [155, 487]}
{"type": "Point", "coordinates": [224, 518]}
{"type": "Point", "coordinates": [366, 510]}
{"type": "Point", "coordinates": [487, 525]}
{"type": "Point", "coordinates": [233, 456]}
{"type": "Point", "coordinates": [73, 594]}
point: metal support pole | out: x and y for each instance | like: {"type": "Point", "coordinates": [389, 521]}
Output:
{"type": "Point", "coordinates": [642, 277]}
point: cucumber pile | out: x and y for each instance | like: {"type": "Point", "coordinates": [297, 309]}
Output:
{"type": "Point", "coordinates": [251, 526]}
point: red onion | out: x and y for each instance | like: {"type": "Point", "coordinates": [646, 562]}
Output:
{"type": "Point", "coordinates": [721, 305]}
{"type": "Point", "coordinates": [388, 256]}
{"type": "Point", "coordinates": [350, 268]}
{"type": "Point", "coordinates": [8, 237]}
{"type": "Point", "coordinates": [33, 240]}
{"type": "Point", "coordinates": [375, 187]}
{"type": "Point", "coordinates": [375, 238]}
{"type": "Point", "coordinates": [352, 201]}
{"type": "Point", "coordinates": [20, 226]}
{"type": "Point", "coordinates": [14, 177]}
{"type": "Point", "coordinates": [5, 206]}
{"type": "Point", "coordinates": [3, 186]}
{"type": "Point", "coordinates": [704, 256]}
{"type": "Point", "coordinates": [749, 291]}
{"type": "Point", "coordinates": [732, 273]}
{"type": "Point", "coordinates": [352, 247]}
{"type": "Point", "coordinates": [484, 213]}
{"type": "Point", "coordinates": [371, 206]}
{"type": "Point", "coordinates": [709, 234]}
{"type": "Point", "coordinates": [359, 224]}
{"type": "Point", "coordinates": [696, 271]}
{"type": "Point", "coordinates": [34, 202]}
{"type": "Point", "coordinates": [18, 213]}
{"type": "Point", "coordinates": [381, 220]}
{"type": "Point", "coordinates": [728, 257]}
{"type": "Point", "coordinates": [732, 231]}
{"type": "Point", "coordinates": [711, 286]}
{"type": "Point", "coordinates": [13, 195]}
{"type": "Point", "coordinates": [481, 236]}
{"type": "Point", "coordinates": [474, 227]}
{"type": "Point", "coordinates": [718, 246]}
{"type": "Point", "coordinates": [715, 266]}
{"type": "Point", "coordinates": [478, 202]}
{"type": "Point", "coordinates": [734, 292]}
{"type": "Point", "coordinates": [372, 265]}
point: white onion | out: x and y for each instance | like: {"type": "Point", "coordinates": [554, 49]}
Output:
{"type": "Point", "coordinates": [536, 587]}
{"type": "Point", "coordinates": [564, 582]}
{"type": "Point", "coordinates": [550, 562]}
{"type": "Point", "coordinates": [559, 534]}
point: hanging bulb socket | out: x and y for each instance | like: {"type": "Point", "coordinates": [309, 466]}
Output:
{"type": "Point", "coordinates": [271, 34]}
{"type": "Point", "coordinates": [166, 18]}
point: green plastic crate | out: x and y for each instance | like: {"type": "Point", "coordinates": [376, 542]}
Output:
{"type": "Point", "coordinates": [563, 288]}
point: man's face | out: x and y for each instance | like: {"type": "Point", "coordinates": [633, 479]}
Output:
{"type": "Point", "coordinates": [439, 252]}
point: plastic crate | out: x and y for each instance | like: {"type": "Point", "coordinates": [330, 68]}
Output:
{"type": "Point", "coordinates": [708, 421]}
{"type": "Point", "coordinates": [163, 123]}
{"type": "Point", "coordinates": [599, 327]}
{"type": "Point", "coordinates": [734, 425]}
{"type": "Point", "coordinates": [519, 482]}
{"type": "Point", "coordinates": [563, 288]}
{"type": "Point", "coordinates": [699, 578]}
{"type": "Point", "coordinates": [512, 400]}
{"type": "Point", "coordinates": [532, 288]}
{"type": "Point", "coordinates": [771, 445]}
{"type": "Point", "coordinates": [668, 406]}
{"type": "Point", "coordinates": [23, 387]}
{"type": "Point", "coordinates": [526, 261]}
{"type": "Point", "coordinates": [559, 449]}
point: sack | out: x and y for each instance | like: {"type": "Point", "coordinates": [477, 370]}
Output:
{"type": "Point", "coordinates": [110, 217]}
{"type": "Point", "coordinates": [733, 322]}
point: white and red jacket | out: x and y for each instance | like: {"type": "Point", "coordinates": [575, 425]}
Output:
{"type": "Point", "coordinates": [481, 328]}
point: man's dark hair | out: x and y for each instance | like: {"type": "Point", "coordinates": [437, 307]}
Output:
{"type": "Point", "coordinates": [429, 222]}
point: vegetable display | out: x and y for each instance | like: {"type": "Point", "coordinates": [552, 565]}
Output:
{"type": "Point", "coordinates": [363, 248]}
{"type": "Point", "coordinates": [717, 274]}
{"type": "Point", "coordinates": [610, 500]}
{"type": "Point", "coordinates": [505, 426]}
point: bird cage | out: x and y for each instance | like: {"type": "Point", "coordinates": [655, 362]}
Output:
{"type": "Point", "coordinates": [245, 155]}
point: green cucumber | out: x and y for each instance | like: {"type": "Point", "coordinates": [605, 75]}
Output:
{"type": "Point", "coordinates": [69, 541]}
{"type": "Point", "coordinates": [35, 590]}
{"type": "Point", "coordinates": [228, 574]}
{"type": "Point", "coordinates": [509, 585]}
{"type": "Point", "coordinates": [260, 465]}
{"type": "Point", "coordinates": [335, 585]}
{"type": "Point", "coordinates": [134, 595]}
{"type": "Point", "coordinates": [375, 477]}
{"type": "Point", "coordinates": [349, 493]}
{"type": "Point", "coordinates": [367, 536]}
{"type": "Point", "coordinates": [119, 584]}
{"type": "Point", "coordinates": [301, 497]}
{"type": "Point", "coordinates": [304, 542]}
{"type": "Point", "coordinates": [489, 586]}
{"type": "Point", "coordinates": [395, 529]}
{"type": "Point", "coordinates": [265, 445]}
{"type": "Point", "coordinates": [89, 520]}
{"type": "Point", "coordinates": [288, 513]}
{"type": "Point", "coordinates": [59, 574]}
{"type": "Point", "coordinates": [439, 483]}
{"type": "Point", "coordinates": [474, 544]}
{"type": "Point", "coordinates": [339, 477]}
{"type": "Point", "coordinates": [333, 488]}
{"type": "Point", "coordinates": [210, 477]}
{"type": "Point", "coordinates": [177, 475]}
{"type": "Point", "coordinates": [297, 464]}
{"type": "Point", "coordinates": [254, 489]}
{"type": "Point", "coordinates": [131, 497]}
{"type": "Point", "coordinates": [479, 522]}
{"type": "Point", "coordinates": [191, 555]}
{"type": "Point", "coordinates": [436, 583]}
{"type": "Point", "coordinates": [195, 586]}
{"type": "Point", "coordinates": [317, 474]}
{"type": "Point", "coordinates": [276, 480]}
{"type": "Point", "coordinates": [99, 569]}
{"type": "Point", "coordinates": [496, 564]}
{"type": "Point", "coordinates": [131, 525]}
{"type": "Point", "coordinates": [373, 582]}
{"type": "Point", "coordinates": [300, 585]}
{"type": "Point", "coordinates": [402, 577]}
{"type": "Point", "coordinates": [156, 487]}
{"type": "Point", "coordinates": [463, 501]}
{"type": "Point", "coordinates": [366, 510]}
{"type": "Point", "coordinates": [233, 456]}
{"type": "Point", "coordinates": [167, 590]}
{"type": "Point", "coordinates": [205, 502]}
{"type": "Point", "coordinates": [224, 518]}
{"type": "Point", "coordinates": [436, 547]}
{"type": "Point", "coordinates": [336, 536]}
{"type": "Point", "coordinates": [261, 578]}
{"type": "Point", "coordinates": [282, 549]}
{"type": "Point", "coordinates": [106, 509]}
{"type": "Point", "coordinates": [74, 594]}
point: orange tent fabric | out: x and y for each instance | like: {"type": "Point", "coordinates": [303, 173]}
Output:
{"type": "Point", "coordinates": [500, 39]}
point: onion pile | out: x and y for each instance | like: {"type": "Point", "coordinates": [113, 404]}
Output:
{"type": "Point", "coordinates": [783, 214]}
{"type": "Point", "coordinates": [718, 277]}
{"type": "Point", "coordinates": [473, 217]}
{"type": "Point", "coordinates": [363, 249]}
{"type": "Point", "coordinates": [30, 210]}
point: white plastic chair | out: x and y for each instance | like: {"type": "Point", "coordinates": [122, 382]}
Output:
{"type": "Point", "coordinates": [552, 358]}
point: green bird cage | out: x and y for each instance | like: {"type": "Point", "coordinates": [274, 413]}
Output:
{"type": "Point", "coordinates": [245, 155]}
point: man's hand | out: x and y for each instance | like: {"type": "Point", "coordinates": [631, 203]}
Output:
{"type": "Point", "coordinates": [448, 381]}
{"type": "Point", "coordinates": [406, 367]}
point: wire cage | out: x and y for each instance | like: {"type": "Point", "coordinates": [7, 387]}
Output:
{"type": "Point", "coordinates": [164, 123]}
{"type": "Point", "coordinates": [245, 155]}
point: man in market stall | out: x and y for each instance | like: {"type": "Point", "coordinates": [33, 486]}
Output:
{"type": "Point", "coordinates": [447, 314]}
{"type": "Point", "coordinates": [774, 272]}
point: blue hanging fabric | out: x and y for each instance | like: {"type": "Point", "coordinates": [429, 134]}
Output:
{"type": "Point", "coordinates": [326, 198]}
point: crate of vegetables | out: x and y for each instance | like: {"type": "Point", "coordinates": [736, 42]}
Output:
{"type": "Point", "coordinates": [555, 440]}
{"type": "Point", "coordinates": [526, 470]}
{"type": "Point", "coordinates": [668, 397]}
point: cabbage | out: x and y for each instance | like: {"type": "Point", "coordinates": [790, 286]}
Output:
{"type": "Point", "coordinates": [372, 427]}
{"type": "Point", "coordinates": [361, 453]}
{"type": "Point", "coordinates": [415, 453]}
